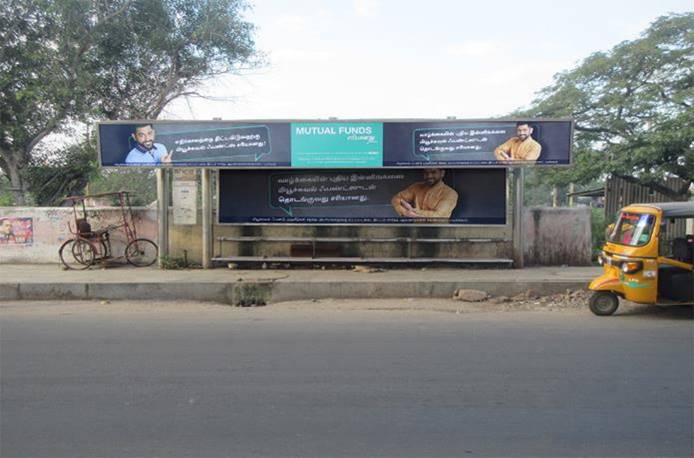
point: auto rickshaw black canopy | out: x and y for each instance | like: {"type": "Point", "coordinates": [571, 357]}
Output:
{"type": "Point", "coordinates": [673, 209]}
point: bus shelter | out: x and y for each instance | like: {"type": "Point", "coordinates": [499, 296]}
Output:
{"type": "Point", "coordinates": [351, 191]}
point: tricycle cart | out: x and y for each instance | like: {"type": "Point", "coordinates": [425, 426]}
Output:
{"type": "Point", "coordinates": [89, 246]}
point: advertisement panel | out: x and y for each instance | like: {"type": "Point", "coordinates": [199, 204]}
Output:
{"type": "Point", "coordinates": [428, 196]}
{"type": "Point", "coordinates": [335, 144]}
{"type": "Point", "coordinates": [194, 144]}
{"type": "Point", "coordinates": [477, 143]}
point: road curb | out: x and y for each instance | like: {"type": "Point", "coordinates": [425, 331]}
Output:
{"type": "Point", "coordinates": [273, 291]}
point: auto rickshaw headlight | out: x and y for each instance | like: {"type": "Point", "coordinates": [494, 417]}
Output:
{"type": "Point", "coordinates": [631, 267]}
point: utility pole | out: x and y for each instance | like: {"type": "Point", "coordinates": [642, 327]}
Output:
{"type": "Point", "coordinates": [518, 232]}
{"type": "Point", "coordinates": [163, 212]}
{"type": "Point", "coordinates": [206, 219]}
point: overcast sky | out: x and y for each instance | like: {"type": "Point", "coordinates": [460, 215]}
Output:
{"type": "Point", "coordinates": [412, 59]}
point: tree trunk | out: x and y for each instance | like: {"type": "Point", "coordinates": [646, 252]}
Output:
{"type": "Point", "coordinates": [19, 190]}
{"type": "Point", "coordinates": [555, 196]}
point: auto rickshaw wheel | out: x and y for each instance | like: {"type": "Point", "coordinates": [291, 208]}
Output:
{"type": "Point", "coordinates": [603, 303]}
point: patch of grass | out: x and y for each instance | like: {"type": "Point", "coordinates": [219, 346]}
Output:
{"type": "Point", "coordinates": [176, 263]}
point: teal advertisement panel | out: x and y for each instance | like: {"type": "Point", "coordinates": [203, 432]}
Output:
{"type": "Point", "coordinates": [335, 145]}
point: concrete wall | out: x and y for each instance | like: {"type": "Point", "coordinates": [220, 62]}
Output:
{"type": "Point", "coordinates": [554, 236]}
{"type": "Point", "coordinates": [49, 230]}
{"type": "Point", "coordinates": [557, 236]}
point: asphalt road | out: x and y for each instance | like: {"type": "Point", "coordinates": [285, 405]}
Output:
{"type": "Point", "coordinates": [350, 379]}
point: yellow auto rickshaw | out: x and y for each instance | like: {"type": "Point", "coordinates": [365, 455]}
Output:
{"type": "Point", "coordinates": [648, 258]}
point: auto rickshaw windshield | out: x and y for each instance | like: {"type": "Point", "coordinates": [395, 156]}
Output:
{"type": "Point", "coordinates": [633, 229]}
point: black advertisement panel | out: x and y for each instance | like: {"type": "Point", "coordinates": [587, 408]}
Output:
{"type": "Point", "coordinates": [193, 143]}
{"type": "Point", "coordinates": [476, 143]}
{"type": "Point", "coordinates": [426, 196]}
{"type": "Point", "coordinates": [335, 144]}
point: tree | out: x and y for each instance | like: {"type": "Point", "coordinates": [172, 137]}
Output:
{"type": "Point", "coordinates": [64, 174]}
{"type": "Point", "coordinates": [632, 108]}
{"type": "Point", "coordinates": [5, 194]}
{"type": "Point", "coordinates": [70, 62]}
{"type": "Point", "coordinates": [140, 182]}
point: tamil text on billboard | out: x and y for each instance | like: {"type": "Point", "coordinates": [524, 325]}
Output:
{"type": "Point", "coordinates": [388, 196]}
{"type": "Point", "coordinates": [335, 144]}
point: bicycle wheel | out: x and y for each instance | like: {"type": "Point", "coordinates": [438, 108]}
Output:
{"type": "Point", "coordinates": [77, 254]}
{"type": "Point", "coordinates": [141, 252]}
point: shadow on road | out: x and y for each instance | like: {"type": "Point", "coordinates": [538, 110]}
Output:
{"type": "Point", "coordinates": [664, 312]}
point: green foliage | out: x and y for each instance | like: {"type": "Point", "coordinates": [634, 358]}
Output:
{"type": "Point", "coordinates": [66, 63]}
{"type": "Point", "coordinates": [66, 174]}
{"type": "Point", "coordinates": [141, 183]}
{"type": "Point", "coordinates": [633, 109]}
{"type": "Point", "coordinates": [176, 263]}
{"type": "Point", "coordinates": [6, 199]}
{"type": "Point", "coordinates": [598, 224]}
{"type": "Point", "coordinates": [538, 192]}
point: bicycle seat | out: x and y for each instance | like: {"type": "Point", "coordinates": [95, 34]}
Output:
{"type": "Point", "coordinates": [84, 229]}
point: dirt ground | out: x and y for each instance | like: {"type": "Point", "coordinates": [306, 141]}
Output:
{"type": "Point", "coordinates": [569, 302]}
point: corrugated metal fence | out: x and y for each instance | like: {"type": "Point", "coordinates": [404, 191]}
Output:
{"type": "Point", "coordinates": [620, 193]}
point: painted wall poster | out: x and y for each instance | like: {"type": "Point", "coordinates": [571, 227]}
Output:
{"type": "Point", "coordinates": [16, 231]}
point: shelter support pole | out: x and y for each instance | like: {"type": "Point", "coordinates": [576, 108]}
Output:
{"type": "Point", "coordinates": [518, 232]}
{"type": "Point", "coordinates": [206, 218]}
{"type": "Point", "coordinates": [163, 192]}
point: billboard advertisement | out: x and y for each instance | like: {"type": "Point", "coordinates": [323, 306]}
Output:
{"type": "Point", "coordinates": [335, 144]}
{"type": "Point", "coordinates": [315, 196]}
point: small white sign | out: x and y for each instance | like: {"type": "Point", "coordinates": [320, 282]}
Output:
{"type": "Point", "coordinates": [185, 197]}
